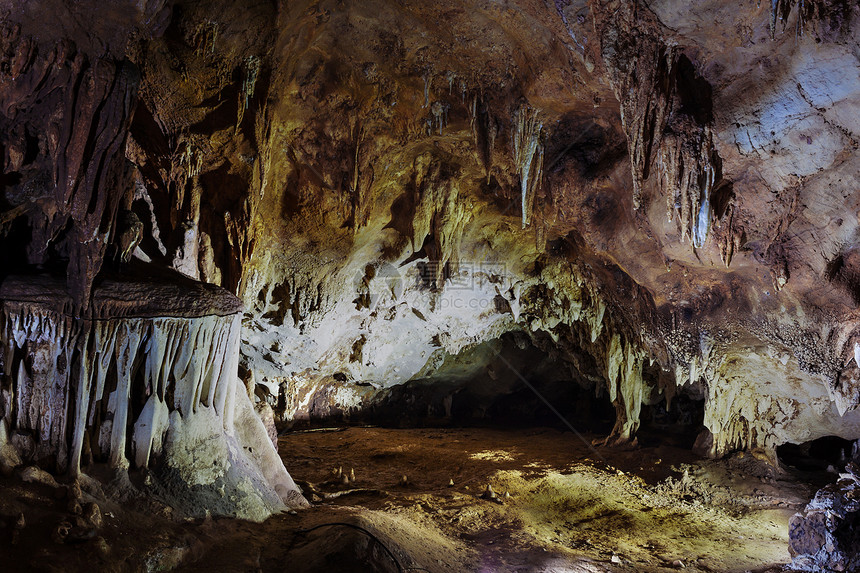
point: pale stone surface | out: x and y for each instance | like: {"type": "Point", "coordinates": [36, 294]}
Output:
{"type": "Point", "coordinates": [9, 457]}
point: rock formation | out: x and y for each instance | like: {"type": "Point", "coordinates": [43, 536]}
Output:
{"type": "Point", "coordinates": [146, 381]}
{"type": "Point", "coordinates": [657, 199]}
{"type": "Point", "coordinates": [826, 537]}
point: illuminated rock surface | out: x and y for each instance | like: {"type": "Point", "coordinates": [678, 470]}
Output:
{"type": "Point", "coordinates": [388, 188]}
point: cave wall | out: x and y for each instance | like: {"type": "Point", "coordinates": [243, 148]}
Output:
{"type": "Point", "coordinates": [659, 196]}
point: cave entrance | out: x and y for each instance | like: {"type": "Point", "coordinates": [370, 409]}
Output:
{"type": "Point", "coordinates": [676, 421]}
{"type": "Point", "coordinates": [479, 454]}
{"type": "Point", "coordinates": [504, 383]}
{"type": "Point", "coordinates": [508, 382]}
{"type": "Point", "coordinates": [823, 457]}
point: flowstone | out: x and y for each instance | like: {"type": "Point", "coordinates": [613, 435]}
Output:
{"type": "Point", "coordinates": [144, 381]}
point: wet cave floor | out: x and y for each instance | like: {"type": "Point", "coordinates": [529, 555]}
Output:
{"type": "Point", "coordinates": [570, 507]}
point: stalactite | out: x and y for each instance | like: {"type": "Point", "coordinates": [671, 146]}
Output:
{"type": "Point", "coordinates": [562, 296]}
{"type": "Point", "coordinates": [440, 213]}
{"type": "Point", "coordinates": [807, 10]}
{"type": "Point", "coordinates": [141, 193]}
{"type": "Point", "coordinates": [69, 378]}
{"type": "Point", "coordinates": [644, 72]}
{"type": "Point", "coordinates": [190, 162]}
{"type": "Point", "coordinates": [83, 106]}
{"type": "Point", "coordinates": [641, 68]}
{"type": "Point", "coordinates": [739, 415]}
{"type": "Point", "coordinates": [626, 387]}
{"type": "Point", "coordinates": [740, 418]}
{"type": "Point", "coordinates": [528, 156]}
{"type": "Point", "coordinates": [116, 345]}
{"type": "Point", "coordinates": [686, 165]}
{"type": "Point", "coordinates": [438, 117]}
{"type": "Point", "coordinates": [473, 118]}
{"type": "Point", "coordinates": [492, 132]}
{"type": "Point", "coordinates": [186, 259]}
{"type": "Point", "coordinates": [428, 80]}
{"type": "Point", "coordinates": [205, 37]}
{"type": "Point", "coordinates": [250, 72]}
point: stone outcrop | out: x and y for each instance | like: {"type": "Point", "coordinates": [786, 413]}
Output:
{"type": "Point", "coordinates": [66, 115]}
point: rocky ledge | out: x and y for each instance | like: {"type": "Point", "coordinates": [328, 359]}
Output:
{"type": "Point", "coordinates": [148, 293]}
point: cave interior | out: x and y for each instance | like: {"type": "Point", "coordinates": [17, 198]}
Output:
{"type": "Point", "coordinates": [465, 285]}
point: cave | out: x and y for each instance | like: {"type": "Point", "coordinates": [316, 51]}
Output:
{"type": "Point", "coordinates": [454, 286]}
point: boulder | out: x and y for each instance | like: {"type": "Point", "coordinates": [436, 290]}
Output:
{"type": "Point", "coordinates": [825, 536]}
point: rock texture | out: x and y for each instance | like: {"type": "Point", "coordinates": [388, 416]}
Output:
{"type": "Point", "coordinates": [826, 536]}
{"type": "Point", "coordinates": [66, 116]}
{"type": "Point", "coordinates": [659, 197]}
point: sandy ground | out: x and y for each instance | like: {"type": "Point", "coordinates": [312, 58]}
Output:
{"type": "Point", "coordinates": [568, 507]}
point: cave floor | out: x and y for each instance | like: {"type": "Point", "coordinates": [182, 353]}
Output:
{"type": "Point", "coordinates": [571, 508]}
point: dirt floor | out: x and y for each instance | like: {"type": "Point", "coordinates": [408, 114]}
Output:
{"type": "Point", "coordinates": [570, 506]}
{"type": "Point", "coordinates": [559, 505]}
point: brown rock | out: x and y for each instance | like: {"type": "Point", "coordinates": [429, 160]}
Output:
{"type": "Point", "coordinates": [825, 536]}
{"type": "Point", "coordinates": [74, 507]}
{"type": "Point", "coordinates": [61, 532]}
{"type": "Point", "coordinates": [92, 513]}
{"type": "Point", "coordinates": [101, 547]}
